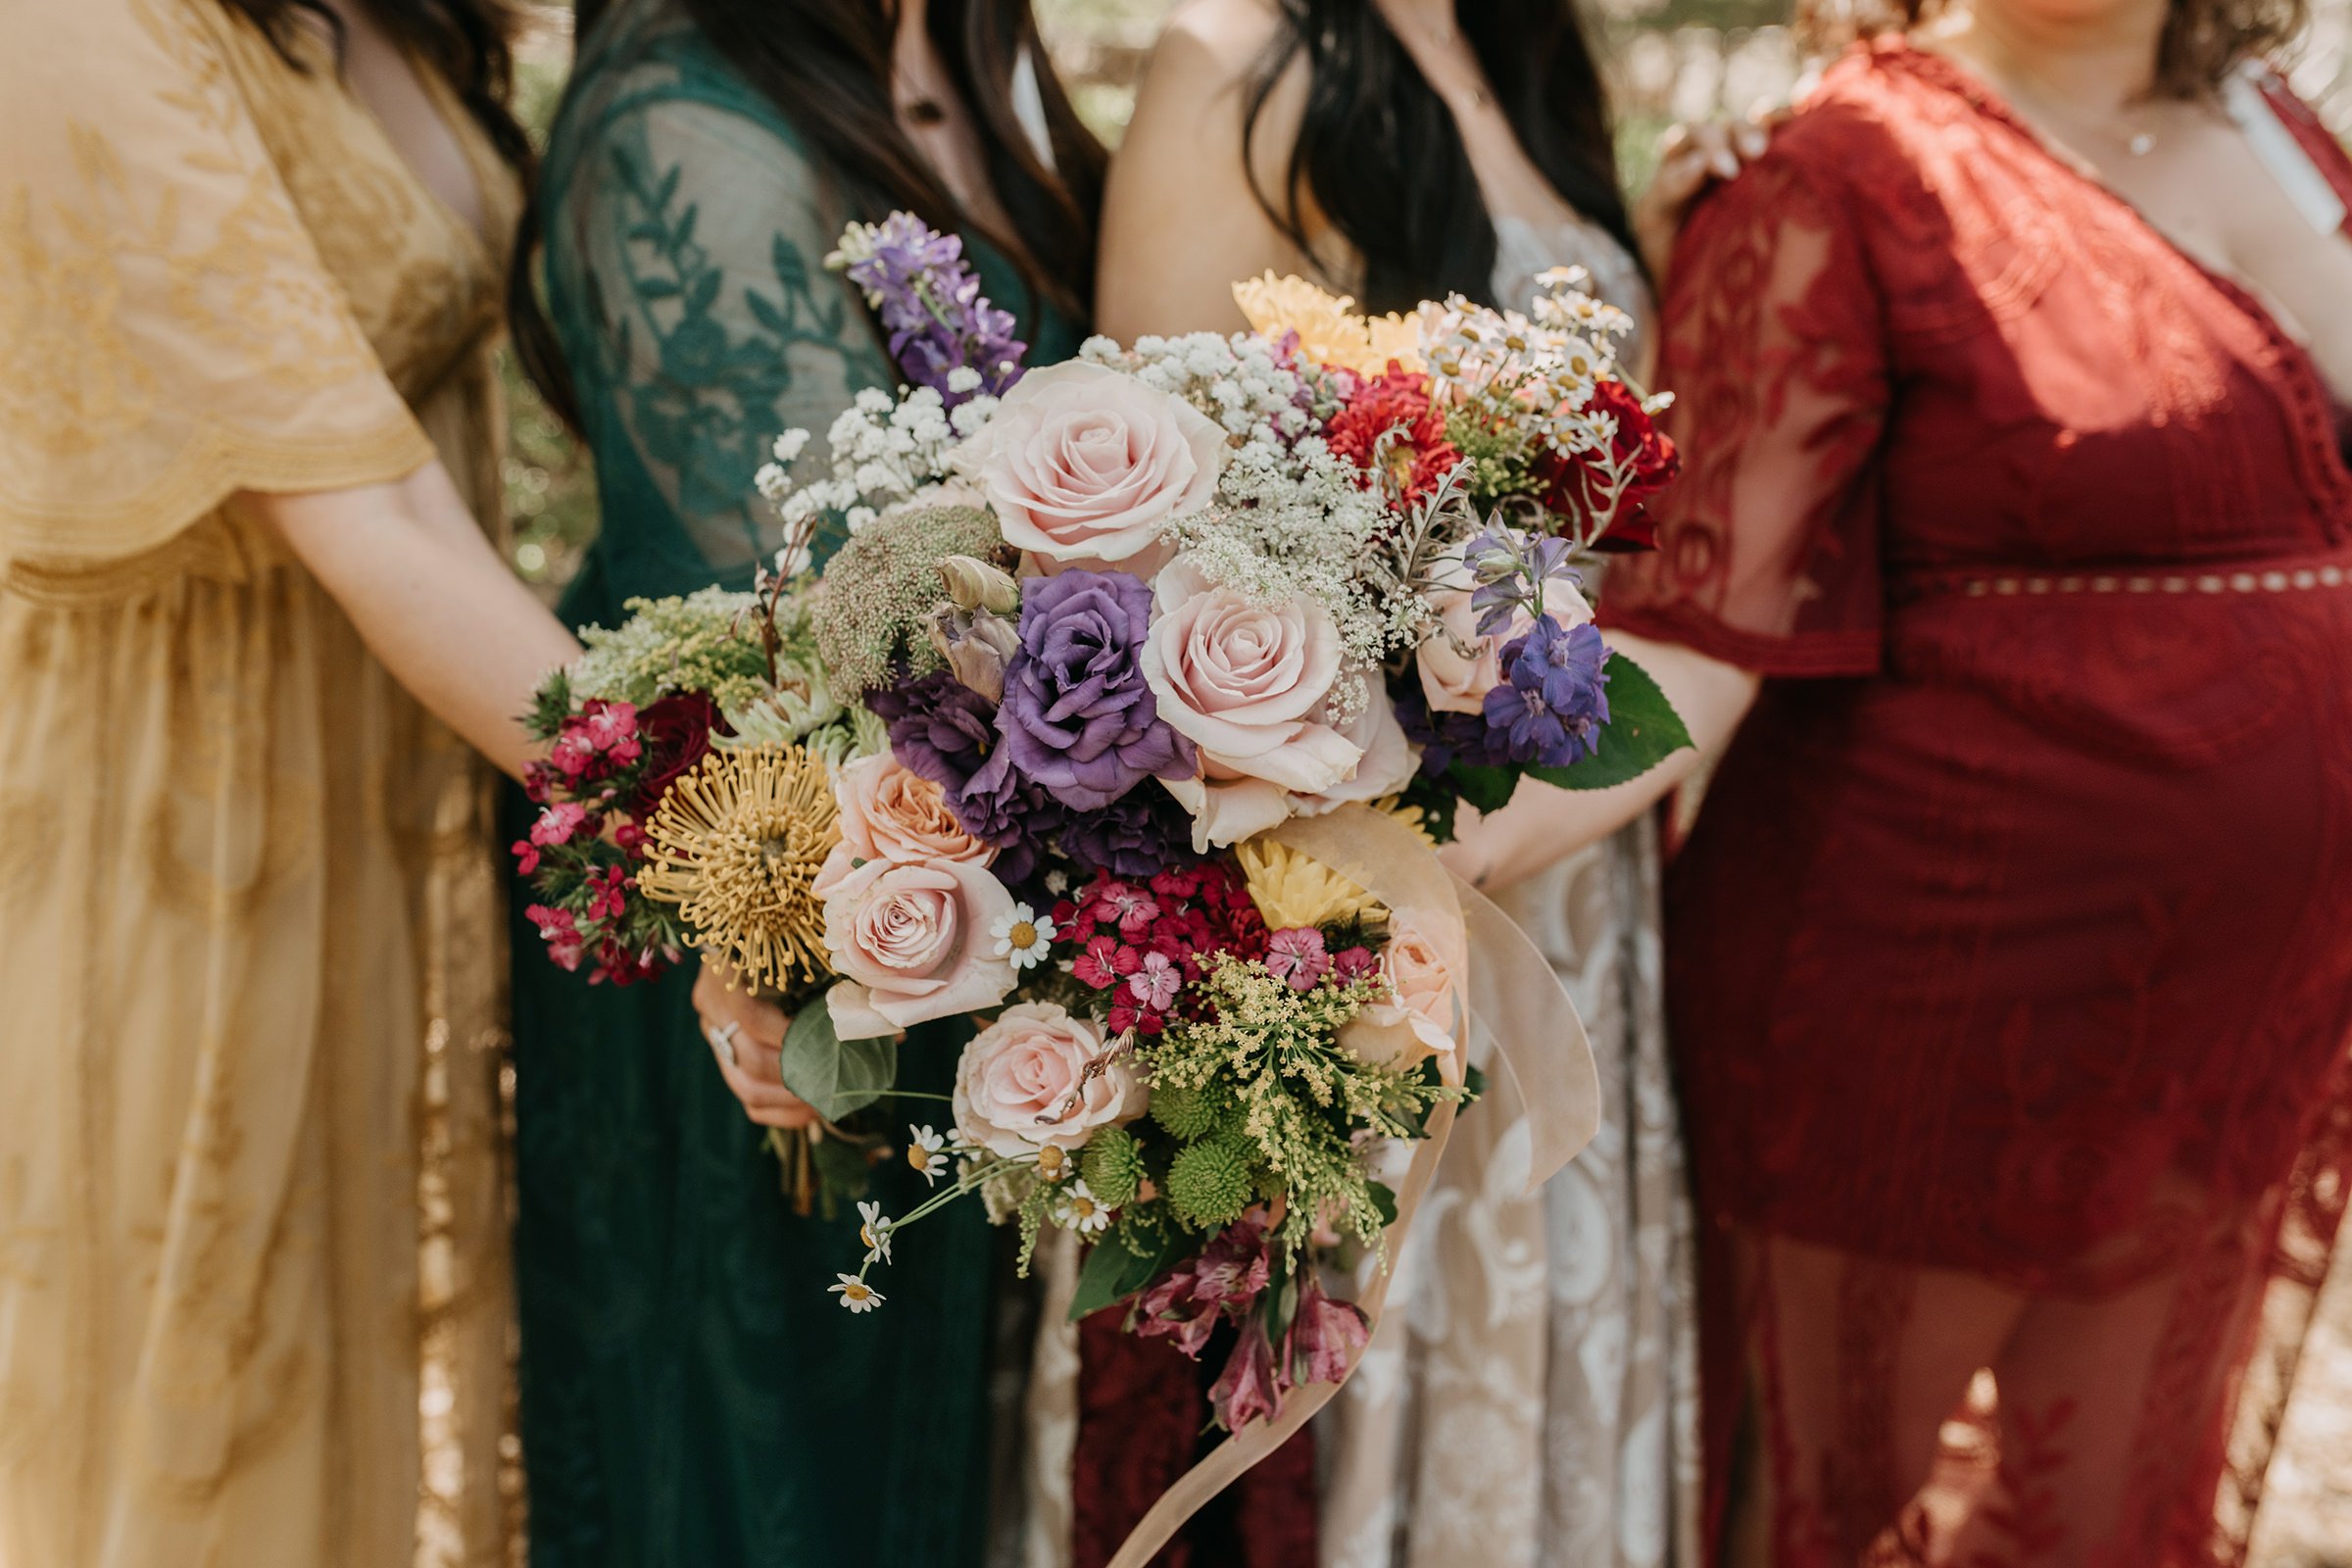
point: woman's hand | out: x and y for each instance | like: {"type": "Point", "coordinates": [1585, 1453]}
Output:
{"type": "Point", "coordinates": [1692, 157]}
{"type": "Point", "coordinates": [747, 1036]}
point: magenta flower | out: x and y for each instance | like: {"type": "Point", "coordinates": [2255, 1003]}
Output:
{"type": "Point", "coordinates": [526, 855]}
{"type": "Point", "coordinates": [1132, 908]}
{"type": "Point", "coordinates": [1168, 1310]}
{"type": "Point", "coordinates": [1224, 1280]}
{"type": "Point", "coordinates": [561, 933]}
{"type": "Point", "coordinates": [557, 824]}
{"type": "Point", "coordinates": [1325, 1336]}
{"type": "Point", "coordinates": [1104, 962]}
{"type": "Point", "coordinates": [611, 725]}
{"type": "Point", "coordinates": [1350, 965]}
{"type": "Point", "coordinates": [1250, 1385]}
{"type": "Point", "coordinates": [1154, 985]}
{"type": "Point", "coordinates": [1296, 956]}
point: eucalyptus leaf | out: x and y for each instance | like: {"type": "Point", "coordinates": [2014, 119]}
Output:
{"type": "Point", "coordinates": [836, 1076]}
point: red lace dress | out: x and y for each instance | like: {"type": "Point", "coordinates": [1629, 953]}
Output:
{"type": "Point", "coordinates": [2011, 957]}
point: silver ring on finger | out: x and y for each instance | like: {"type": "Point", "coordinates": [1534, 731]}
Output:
{"type": "Point", "coordinates": [723, 1042]}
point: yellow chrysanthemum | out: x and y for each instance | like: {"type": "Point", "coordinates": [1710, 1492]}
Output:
{"type": "Point", "coordinates": [1328, 326]}
{"type": "Point", "coordinates": [1290, 889]}
{"type": "Point", "coordinates": [736, 846]}
{"type": "Point", "coordinates": [1411, 815]}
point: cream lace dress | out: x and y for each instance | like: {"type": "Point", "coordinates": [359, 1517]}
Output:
{"type": "Point", "coordinates": [1531, 1399]}
{"type": "Point", "coordinates": [252, 1264]}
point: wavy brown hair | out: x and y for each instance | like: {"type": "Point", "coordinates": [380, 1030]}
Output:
{"type": "Point", "coordinates": [467, 42]}
{"type": "Point", "coordinates": [2203, 39]}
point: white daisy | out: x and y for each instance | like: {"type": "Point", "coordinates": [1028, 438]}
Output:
{"type": "Point", "coordinates": [874, 1233]}
{"type": "Point", "coordinates": [1081, 1211]}
{"type": "Point", "coordinates": [1022, 936]}
{"type": "Point", "coordinates": [856, 1295]}
{"type": "Point", "coordinates": [926, 1151]}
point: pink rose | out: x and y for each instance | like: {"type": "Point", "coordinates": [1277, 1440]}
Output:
{"type": "Point", "coordinates": [1388, 764]}
{"type": "Point", "coordinates": [1083, 464]}
{"type": "Point", "coordinates": [1458, 683]}
{"type": "Point", "coordinates": [1416, 1022]}
{"type": "Point", "coordinates": [910, 942]}
{"type": "Point", "coordinates": [1022, 1084]}
{"type": "Point", "coordinates": [1245, 683]}
{"type": "Point", "coordinates": [890, 812]}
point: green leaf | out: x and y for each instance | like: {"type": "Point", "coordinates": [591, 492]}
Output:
{"type": "Point", "coordinates": [835, 1075]}
{"type": "Point", "coordinates": [1113, 1273]}
{"type": "Point", "coordinates": [1642, 731]}
{"type": "Point", "coordinates": [1384, 1201]}
{"type": "Point", "coordinates": [1483, 789]}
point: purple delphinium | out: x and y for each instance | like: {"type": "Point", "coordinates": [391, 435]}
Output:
{"type": "Point", "coordinates": [1510, 567]}
{"type": "Point", "coordinates": [1551, 709]}
{"type": "Point", "coordinates": [1077, 715]}
{"type": "Point", "coordinates": [929, 302]}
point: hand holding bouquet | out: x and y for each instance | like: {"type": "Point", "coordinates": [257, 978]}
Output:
{"type": "Point", "coordinates": [1123, 727]}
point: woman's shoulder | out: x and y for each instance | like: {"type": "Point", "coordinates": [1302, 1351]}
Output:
{"type": "Point", "coordinates": [648, 61]}
{"type": "Point", "coordinates": [1215, 45]}
{"type": "Point", "coordinates": [1861, 133]}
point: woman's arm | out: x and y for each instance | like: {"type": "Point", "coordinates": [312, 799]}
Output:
{"type": "Point", "coordinates": [431, 599]}
{"type": "Point", "coordinates": [1544, 822]}
{"type": "Point", "coordinates": [1181, 222]}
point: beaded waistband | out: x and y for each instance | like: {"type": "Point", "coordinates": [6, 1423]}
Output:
{"type": "Point", "coordinates": [2297, 574]}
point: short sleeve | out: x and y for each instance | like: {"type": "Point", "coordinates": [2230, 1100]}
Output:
{"type": "Point", "coordinates": [1774, 349]}
{"type": "Point", "coordinates": [685, 273]}
{"type": "Point", "coordinates": [167, 334]}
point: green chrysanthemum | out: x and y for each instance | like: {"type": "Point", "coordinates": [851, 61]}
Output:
{"type": "Point", "coordinates": [1186, 1113]}
{"type": "Point", "coordinates": [1113, 1166]}
{"type": "Point", "coordinates": [1209, 1184]}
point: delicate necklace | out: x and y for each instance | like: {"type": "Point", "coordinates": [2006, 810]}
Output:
{"type": "Point", "coordinates": [1444, 35]}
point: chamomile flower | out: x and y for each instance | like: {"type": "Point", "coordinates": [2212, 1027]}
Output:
{"type": "Point", "coordinates": [1080, 1210]}
{"type": "Point", "coordinates": [856, 1295]}
{"type": "Point", "coordinates": [874, 1232]}
{"type": "Point", "coordinates": [1022, 936]}
{"type": "Point", "coordinates": [926, 1151]}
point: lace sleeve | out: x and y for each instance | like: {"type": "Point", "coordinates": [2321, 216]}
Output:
{"type": "Point", "coordinates": [1769, 544]}
{"type": "Point", "coordinates": [685, 274]}
{"type": "Point", "coordinates": [168, 334]}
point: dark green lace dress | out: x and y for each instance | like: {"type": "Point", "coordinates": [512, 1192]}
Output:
{"type": "Point", "coordinates": [691, 1394]}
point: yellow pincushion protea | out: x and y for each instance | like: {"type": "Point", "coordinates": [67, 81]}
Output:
{"type": "Point", "coordinates": [1328, 325]}
{"type": "Point", "coordinates": [736, 846]}
{"type": "Point", "coordinates": [1291, 889]}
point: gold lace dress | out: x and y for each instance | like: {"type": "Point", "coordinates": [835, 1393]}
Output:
{"type": "Point", "coordinates": [252, 1265]}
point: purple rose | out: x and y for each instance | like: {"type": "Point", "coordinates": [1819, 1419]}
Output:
{"type": "Point", "coordinates": [1077, 715]}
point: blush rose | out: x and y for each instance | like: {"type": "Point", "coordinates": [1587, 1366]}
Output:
{"type": "Point", "coordinates": [1457, 682]}
{"type": "Point", "coordinates": [1085, 465]}
{"type": "Point", "coordinates": [1022, 1083]}
{"type": "Point", "coordinates": [891, 812]}
{"type": "Point", "coordinates": [910, 942]}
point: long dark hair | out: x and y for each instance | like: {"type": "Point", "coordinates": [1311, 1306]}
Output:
{"type": "Point", "coordinates": [464, 40]}
{"type": "Point", "coordinates": [825, 65]}
{"type": "Point", "coordinates": [1381, 156]}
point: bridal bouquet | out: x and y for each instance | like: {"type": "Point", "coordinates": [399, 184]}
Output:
{"type": "Point", "coordinates": [1124, 726]}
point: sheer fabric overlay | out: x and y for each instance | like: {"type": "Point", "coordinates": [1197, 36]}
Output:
{"type": "Point", "coordinates": [2010, 962]}
{"type": "Point", "coordinates": [1531, 1397]}
{"type": "Point", "coordinates": [253, 1282]}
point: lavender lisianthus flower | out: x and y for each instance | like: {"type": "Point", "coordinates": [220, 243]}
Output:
{"type": "Point", "coordinates": [1552, 708]}
{"type": "Point", "coordinates": [1078, 716]}
{"type": "Point", "coordinates": [1140, 834]}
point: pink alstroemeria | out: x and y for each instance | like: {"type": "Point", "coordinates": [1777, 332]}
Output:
{"type": "Point", "coordinates": [1296, 956]}
{"type": "Point", "coordinates": [1168, 1310]}
{"type": "Point", "coordinates": [1250, 1387]}
{"type": "Point", "coordinates": [1232, 1270]}
{"type": "Point", "coordinates": [1155, 984]}
{"type": "Point", "coordinates": [1325, 1336]}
